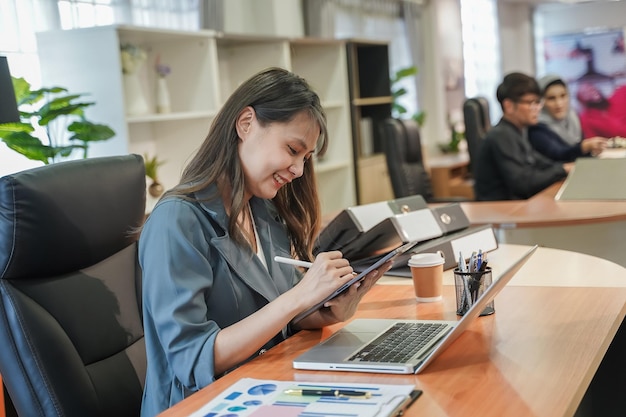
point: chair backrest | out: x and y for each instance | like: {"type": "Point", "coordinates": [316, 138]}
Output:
{"type": "Point", "coordinates": [477, 123]}
{"type": "Point", "coordinates": [403, 152]}
{"type": "Point", "coordinates": [70, 288]}
{"type": "Point", "coordinates": [8, 104]}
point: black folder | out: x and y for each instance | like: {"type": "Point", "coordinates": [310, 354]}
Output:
{"type": "Point", "coordinates": [350, 223]}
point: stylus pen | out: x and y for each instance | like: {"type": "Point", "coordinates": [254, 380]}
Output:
{"type": "Point", "coordinates": [290, 261]}
{"type": "Point", "coordinates": [328, 393]}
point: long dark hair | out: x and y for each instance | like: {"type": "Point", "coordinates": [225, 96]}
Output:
{"type": "Point", "coordinates": [277, 96]}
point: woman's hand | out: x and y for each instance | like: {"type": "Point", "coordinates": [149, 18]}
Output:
{"type": "Point", "coordinates": [593, 146]}
{"type": "Point", "coordinates": [328, 272]}
{"type": "Point", "coordinates": [342, 307]}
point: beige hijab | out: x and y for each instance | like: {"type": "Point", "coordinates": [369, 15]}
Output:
{"type": "Point", "coordinates": [568, 128]}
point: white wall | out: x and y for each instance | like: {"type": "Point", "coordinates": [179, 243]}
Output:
{"type": "Point", "coordinates": [431, 89]}
{"type": "Point", "coordinates": [264, 17]}
{"type": "Point", "coordinates": [516, 38]}
{"type": "Point", "coordinates": [557, 19]}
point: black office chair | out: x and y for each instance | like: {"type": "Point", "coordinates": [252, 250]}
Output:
{"type": "Point", "coordinates": [70, 288]}
{"type": "Point", "coordinates": [477, 124]}
{"type": "Point", "coordinates": [405, 162]}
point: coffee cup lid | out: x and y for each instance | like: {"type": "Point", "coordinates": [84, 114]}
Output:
{"type": "Point", "coordinates": [426, 259]}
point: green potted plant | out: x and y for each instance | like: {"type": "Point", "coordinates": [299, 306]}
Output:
{"type": "Point", "coordinates": [456, 136]}
{"type": "Point", "coordinates": [56, 116]}
{"type": "Point", "coordinates": [152, 164]}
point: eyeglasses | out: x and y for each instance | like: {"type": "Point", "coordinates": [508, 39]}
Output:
{"type": "Point", "coordinates": [536, 103]}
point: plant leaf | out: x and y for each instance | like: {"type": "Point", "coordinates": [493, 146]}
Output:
{"type": "Point", "coordinates": [47, 113]}
{"type": "Point", "coordinates": [420, 118]}
{"type": "Point", "coordinates": [6, 128]}
{"type": "Point", "coordinates": [399, 108]}
{"type": "Point", "coordinates": [399, 92]}
{"type": "Point", "coordinates": [403, 73]}
{"type": "Point", "coordinates": [27, 145]}
{"type": "Point", "coordinates": [85, 131]}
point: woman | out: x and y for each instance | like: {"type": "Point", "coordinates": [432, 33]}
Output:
{"type": "Point", "coordinates": [213, 296]}
{"type": "Point", "coordinates": [558, 134]}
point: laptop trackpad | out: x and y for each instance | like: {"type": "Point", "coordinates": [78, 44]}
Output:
{"type": "Point", "coordinates": [338, 347]}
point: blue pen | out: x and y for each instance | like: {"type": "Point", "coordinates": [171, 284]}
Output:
{"type": "Point", "coordinates": [479, 259]}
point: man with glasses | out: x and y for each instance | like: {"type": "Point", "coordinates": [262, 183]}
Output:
{"type": "Point", "coordinates": [507, 167]}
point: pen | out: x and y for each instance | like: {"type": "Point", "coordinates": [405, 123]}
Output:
{"type": "Point", "coordinates": [290, 261]}
{"type": "Point", "coordinates": [328, 393]}
{"type": "Point", "coordinates": [483, 266]}
{"type": "Point", "coordinates": [472, 265]}
{"type": "Point", "coordinates": [461, 262]}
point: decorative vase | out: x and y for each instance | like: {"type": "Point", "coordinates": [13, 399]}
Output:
{"type": "Point", "coordinates": [135, 100]}
{"type": "Point", "coordinates": [155, 189]}
{"type": "Point", "coordinates": [162, 96]}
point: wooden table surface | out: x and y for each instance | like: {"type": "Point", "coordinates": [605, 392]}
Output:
{"type": "Point", "coordinates": [535, 357]}
{"type": "Point", "coordinates": [543, 210]}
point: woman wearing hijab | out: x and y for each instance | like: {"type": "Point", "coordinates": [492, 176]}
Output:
{"type": "Point", "coordinates": [558, 135]}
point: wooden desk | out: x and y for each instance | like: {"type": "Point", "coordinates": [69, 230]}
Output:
{"type": "Point", "coordinates": [535, 357]}
{"type": "Point", "coordinates": [449, 176]}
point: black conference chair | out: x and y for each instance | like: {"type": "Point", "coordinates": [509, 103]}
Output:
{"type": "Point", "coordinates": [405, 162]}
{"type": "Point", "coordinates": [70, 288]}
{"type": "Point", "coordinates": [477, 124]}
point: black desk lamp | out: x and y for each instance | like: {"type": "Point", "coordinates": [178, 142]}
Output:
{"type": "Point", "coordinates": [8, 104]}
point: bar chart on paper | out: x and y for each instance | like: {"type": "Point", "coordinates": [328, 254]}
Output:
{"type": "Point", "coordinates": [250, 397]}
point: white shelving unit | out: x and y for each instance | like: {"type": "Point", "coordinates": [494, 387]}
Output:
{"type": "Point", "coordinates": [206, 68]}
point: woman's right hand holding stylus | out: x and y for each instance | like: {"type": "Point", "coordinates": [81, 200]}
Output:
{"type": "Point", "coordinates": [328, 272]}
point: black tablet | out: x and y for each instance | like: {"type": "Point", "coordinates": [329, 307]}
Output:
{"type": "Point", "coordinates": [388, 257]}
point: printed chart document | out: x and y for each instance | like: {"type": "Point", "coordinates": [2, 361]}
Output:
{"type": "Point", "coordinates": [269, 398]}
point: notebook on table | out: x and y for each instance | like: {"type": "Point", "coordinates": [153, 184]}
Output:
{"type": "Point", "coordinates": [360, 345]}
{"type": "Point", "coordinates": [594, 179]}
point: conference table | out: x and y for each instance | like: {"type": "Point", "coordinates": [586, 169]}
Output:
{"type": "Point", "coordinates": [595, 227]}
{"type": "Point", "coordinates": [536, 356]}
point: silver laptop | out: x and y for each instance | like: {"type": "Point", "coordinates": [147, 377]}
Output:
{"type": "Point", "coordinates": [352, 347]}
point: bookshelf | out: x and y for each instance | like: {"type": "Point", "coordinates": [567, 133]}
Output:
{"type": "Point", "coordinates": [370, 103]}
{"type": "Point", "coordinates": [206, 68]}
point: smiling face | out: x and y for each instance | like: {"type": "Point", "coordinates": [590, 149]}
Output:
{"type": "Point", "coordinates": [556, 101]}
{"type": "Point", "coordinates": [275, 154]}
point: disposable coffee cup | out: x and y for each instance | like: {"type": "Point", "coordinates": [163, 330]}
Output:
{"type": "Point", "coordinates": [427, 273]}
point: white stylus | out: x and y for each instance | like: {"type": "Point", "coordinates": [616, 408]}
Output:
{"type": "Point", "coordinates": [290, 261]}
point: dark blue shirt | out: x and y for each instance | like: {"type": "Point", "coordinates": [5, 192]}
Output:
{"type": "Point", "coordinates": [547, 142]}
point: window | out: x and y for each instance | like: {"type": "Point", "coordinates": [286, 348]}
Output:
{"type": "Point", "coordinates": [481, 48]}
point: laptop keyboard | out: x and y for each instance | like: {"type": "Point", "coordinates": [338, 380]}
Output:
{"type": "Point", "coordinates": [399, 343]}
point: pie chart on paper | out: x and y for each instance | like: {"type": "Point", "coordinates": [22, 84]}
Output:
{"type": "Point", "coordinates": [263, 389]}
